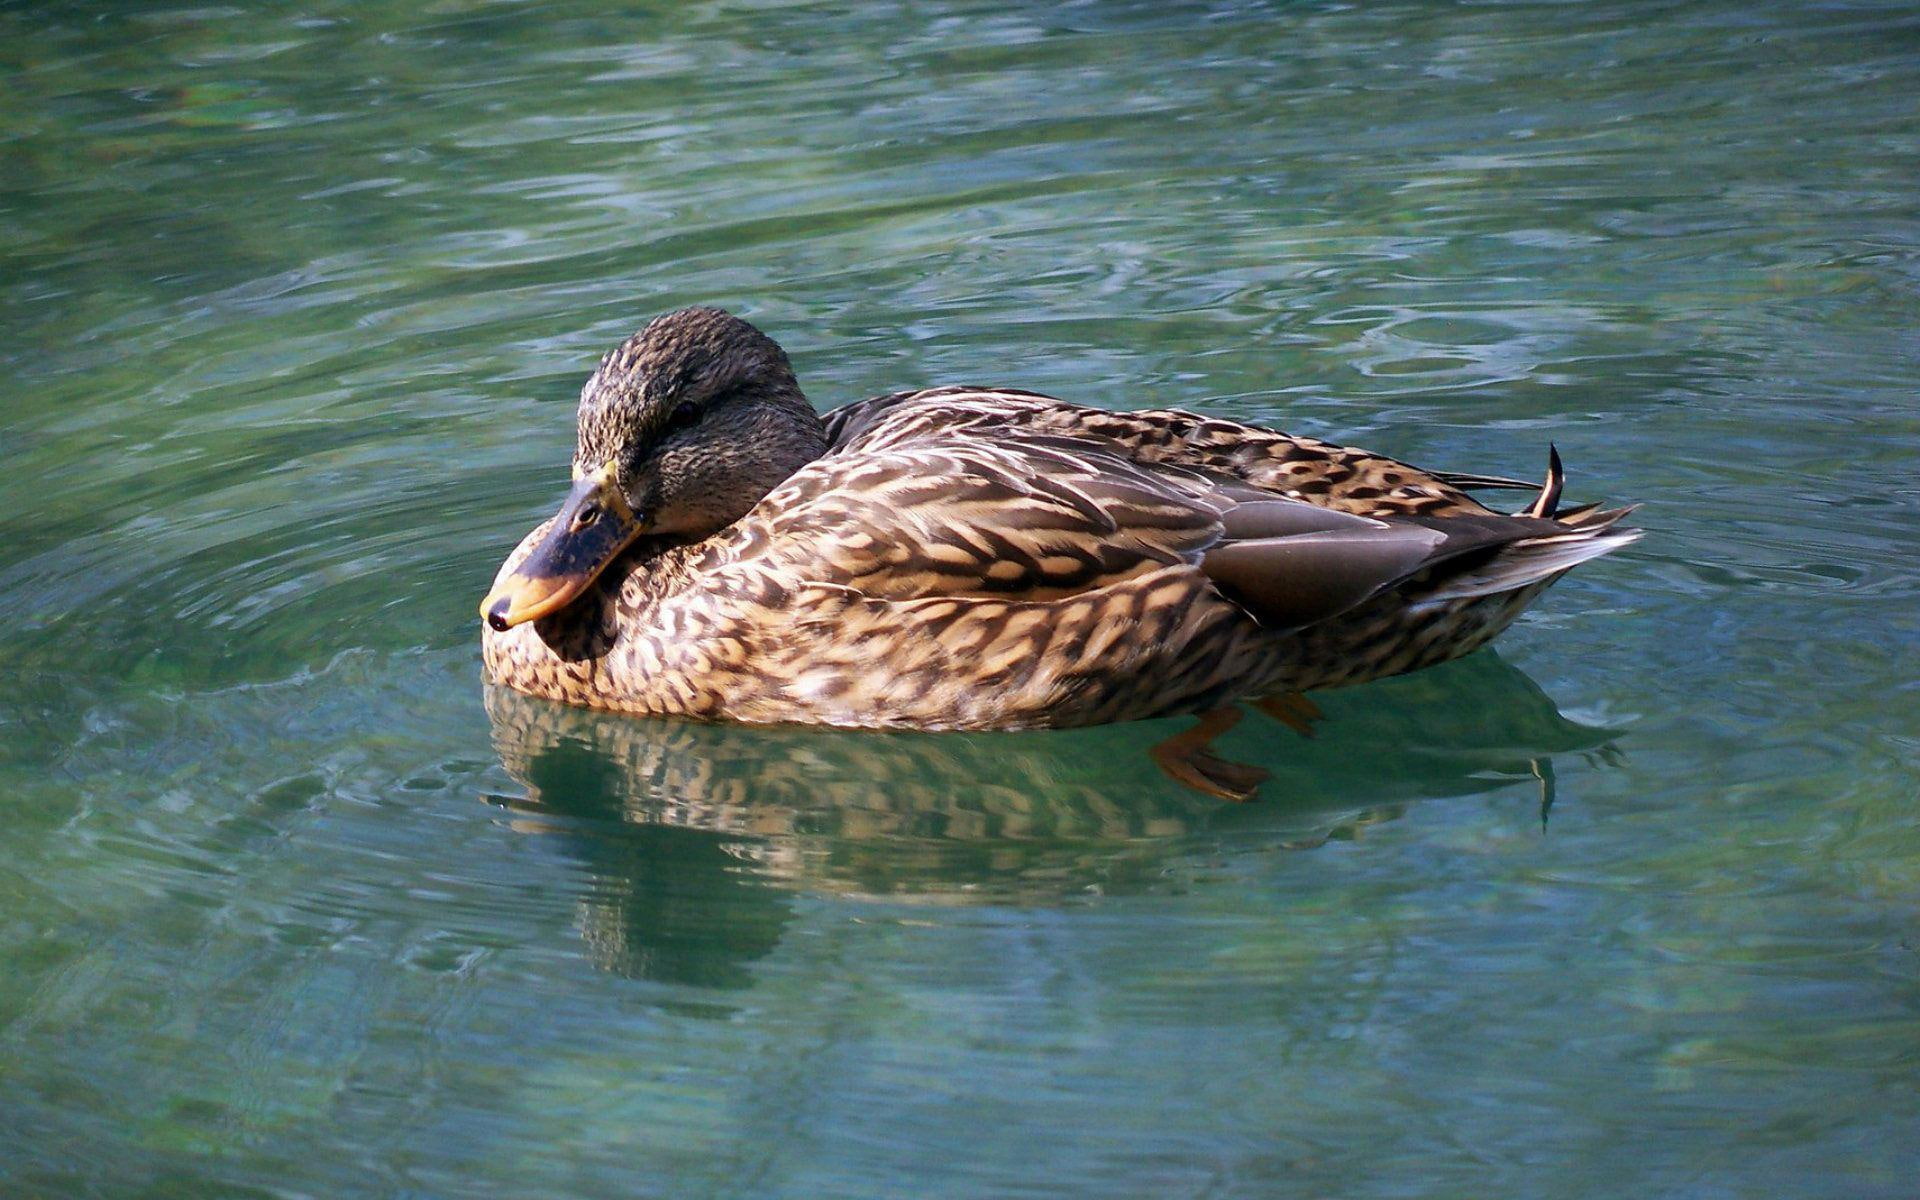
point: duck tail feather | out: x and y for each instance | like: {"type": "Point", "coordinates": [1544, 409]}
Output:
{"type": "Point", "coordinates": [1535, 560]}
{"type": "Point", "coordinates": [1593, 518]}
{"type": "Point", "coordinates": [1548, 502]}
{"type": "Point", "coordinates": [1468, 481]}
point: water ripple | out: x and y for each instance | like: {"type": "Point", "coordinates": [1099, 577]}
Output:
{"type": "Point", "coordinates": [295, 306]}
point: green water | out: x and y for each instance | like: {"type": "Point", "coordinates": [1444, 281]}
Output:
{"type": "Point", "coordinates": [294, 304]}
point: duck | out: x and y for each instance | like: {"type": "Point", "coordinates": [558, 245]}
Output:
{"type": "Point", "coordinates": [989, 558]}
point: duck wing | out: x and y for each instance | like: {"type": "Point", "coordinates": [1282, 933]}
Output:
{"type": "Point", "coordinates": [1017, 518]}
{"type": "Point", "coordinates": [959, 502]}
{"type": "Point", "coordinates": [1299, 468]}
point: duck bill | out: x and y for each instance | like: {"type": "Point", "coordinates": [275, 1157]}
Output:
{"type": "Point", "coordinates": [590, 530]}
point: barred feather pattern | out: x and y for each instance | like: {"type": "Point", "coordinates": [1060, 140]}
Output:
{"type": "Point", "coordinates": [980, 558]}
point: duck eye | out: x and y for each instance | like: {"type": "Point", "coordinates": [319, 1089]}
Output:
{"type": "Point", "coordinates": [685, 414]}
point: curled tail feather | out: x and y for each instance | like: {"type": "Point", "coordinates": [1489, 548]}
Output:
{"type": "Point", "coordinates": [1548, 501]}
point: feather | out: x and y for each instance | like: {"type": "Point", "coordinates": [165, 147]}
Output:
{"type": "Point", "coordinates": [1468, 481]}
{"type": "Point", "coordinates": [1549, 499]}
{"type": "Point", "coordinates": [1528, 563]}
{"type": "Point", "coordinates": [1292, 581]}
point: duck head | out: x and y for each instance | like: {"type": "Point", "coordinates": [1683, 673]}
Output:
{"type": "Point", "coordinates": [683, 428]}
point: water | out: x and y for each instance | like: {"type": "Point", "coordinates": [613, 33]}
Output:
{"type": "Point", "coordinates": [293, 307]}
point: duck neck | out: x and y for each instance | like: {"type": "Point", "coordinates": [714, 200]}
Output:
{"type": "Point", "coordinates": [795, 436]}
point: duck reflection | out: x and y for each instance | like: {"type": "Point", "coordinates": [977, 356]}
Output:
{"type": "Point", "coordinates": [667, 902]}
{"type": "Point", "coordinates": [697, 836]}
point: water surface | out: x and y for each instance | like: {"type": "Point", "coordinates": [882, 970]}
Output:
{"type": "Point", "coordinates": [294, 304]}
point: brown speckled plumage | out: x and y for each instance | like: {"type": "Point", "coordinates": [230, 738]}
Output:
{"type": "Point", "coordinates": [966, 558]}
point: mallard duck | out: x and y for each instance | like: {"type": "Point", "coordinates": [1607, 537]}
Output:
{"type": "Point", "coordinates": [987, 558]}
